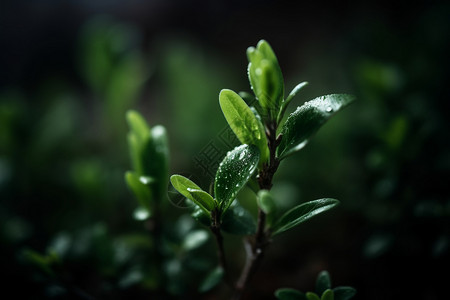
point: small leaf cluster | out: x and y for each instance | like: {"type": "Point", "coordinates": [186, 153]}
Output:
{"type": "Point", "coordinates": [149, 152]}
{"type": "Point", "coordinates": [323, 291]}
{"type": "Point", "coordinates": [257, 123]}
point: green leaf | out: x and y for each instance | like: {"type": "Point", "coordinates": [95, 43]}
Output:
{"type": "Point", "coordinates": [307, 119]}
{"type": "Point", "coordinates": [291, 96]}
{"type": "Point", "coordinates": [201, 216]}
{"type": "Point", "coordinates": [323, 282]}
{"type": "Point", "coordinates": [266, 78]}
{"type": "Point", "coordinates": [312, 296]}
{"type": "Point", "coordinates": [302, 213]}
{"type": "Point", "coordinates": [267, 204]}
{"type": "Point", "coordinates": [248, 129]}
{"type": "Point", "coordinates": [138, 125]}
{"type": "Point", "coordinates": [344, 292]}
{"type": "Point", "coordinates": [238, 220]}
{"type": "Point", "coordinates": [156, 161]}
{"type": "Point", "coordinates": [212, 280]}
{"type": "Point", "coordinates": [140, 190]}
{"type": "Point", "coordinates": [233, 173]}
{"type": "Point", "coordinates": [289, 294]}
{"type": "Point", "coordinates": [194, 239]}
{"type": "Point", "coordinates": [193, 192]}
{"type": "Point", "coordinates": [327, 295]}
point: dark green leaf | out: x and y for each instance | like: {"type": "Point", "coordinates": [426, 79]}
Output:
{"type": "Point", "coordinates": [312, 296]}
{"type": "Point", "coordinates": [238, 220]}
{"type": "Point", "coordinates": [243, 122]}
{"type": "Point", "coordinates": [201, 216]}
{"type": "Point", "coordinates": [323, 282]}
{"type": "Point", "coordinates": [289, 294]}
{"type": "Point", "coordinates": [233, 173]}
{"type": "Point", "coordinates": [307, 119]}
{"type": "Point", "coordinates": [344, 292]}
{"type": "Point", "coordinates": [140, 190]}
{"type": "Point", "coordinates": [266, 78]}
{"type": "Point", "coordinates": [211, 280]}
{"type": "Point", "coordinates": [302, 213]}
{"type": "Point", "coordinates": [193, 192]}
{"type": "Point", "coordinates": [327, 295]}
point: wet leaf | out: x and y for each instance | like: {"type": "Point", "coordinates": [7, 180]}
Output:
{"type": "Point", "coordinates": [307, 119]}
{"type": "Point", "coordinates": [302, 213]}
{"type": "Point", "coordinates": [233, 173]}
{"type": "Point", "coordinates": [248, 129]}
{"type": "Point", "coordinates": [238, 220]}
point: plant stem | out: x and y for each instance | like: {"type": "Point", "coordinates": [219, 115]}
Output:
{"type": "Point", "coordinates": [215, 229]}
{"type": "Point", "coordinates": [255, 246]}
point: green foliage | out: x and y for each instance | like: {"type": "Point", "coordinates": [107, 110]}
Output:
{"type": "Point", "coordinates": [323, 291]}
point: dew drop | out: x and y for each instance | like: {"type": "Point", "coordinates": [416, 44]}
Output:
{"type": "Point", "coordinates": [329, 109]}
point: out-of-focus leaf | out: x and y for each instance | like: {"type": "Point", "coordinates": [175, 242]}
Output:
{"type": "Point", "coordinates": [211, 280]}
{"type": "Point", "coordinates": [233, 173]}
{"type": "Point", "coordinates": [243, 122]}
{"type": "Point", "coordinates": [307, 119]}
{"type": "Point", "coordinates": [266, 78]}
{"type": "Point", "coordinates": [194, 239]}
{"type": "Point", "coordinates": [323, 282]}
{"type": "Point", "coordinates": [344, 292]}
{"type": "Point", "coordinates": [302, 213]}
{"type": "Point", "coordinates": [267, 205]}
{"type": "Point", "coordinates": [140, 190]}
{"type": "Point", "coordinates": [327, 295]}
{"type": "Point", "coordinates": [238, 220]}
{"type": "Point", "coordinates": [312, 296]}
{"type": "Point", "coordinates": [192, 191]}
{"type": "Point", "coordinates": [138, 125]}
{"type": "Point", "coordinates": [201, 216]}
{"type": "Point", "coordinates": [289, 294]}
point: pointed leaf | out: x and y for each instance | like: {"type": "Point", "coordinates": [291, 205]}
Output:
{"type": "Point", "coordinates": [238, 220]}
{"type": "Point", "coordinates": [323, 282]}
{"type": "Point", "coordinates": [291, 96]}
{"type": "Point", "coordinates": [302, 213]}
{"type": "Point", "coordinates": [307, 119]}
{"type": "Point", "coordinates": [211, 280]}
{"type": "Point", "coordinates": [289, 294]}
{"type": "Point", "coordinates": [243, 122]}
{"type": "Point", "coordinates": [184, 186]}
{"type": "Point", "coordinates": [233, 173]}
{"type": "Point", "coordinates": [344, 292]}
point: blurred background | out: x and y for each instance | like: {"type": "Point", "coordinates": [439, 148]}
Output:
{"type": "Point", "coordinates": [69, 70]}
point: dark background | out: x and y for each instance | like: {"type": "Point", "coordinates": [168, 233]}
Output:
{"type": "Point", "coordinates": [70, 69]}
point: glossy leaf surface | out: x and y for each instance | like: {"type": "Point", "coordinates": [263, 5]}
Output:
{"type": "Point", "coordinates": [289, 98]}
{"type": "Point", "coordinates": [243, 122]}
{"type": "Point", "coordinates": [193, 192]}
{"type": "Point", "coordinates": [302, 213]}
{"type": "Point", "coordinates": [233, 173]}
{"type": "Point", "coordinates": [307, 119]}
